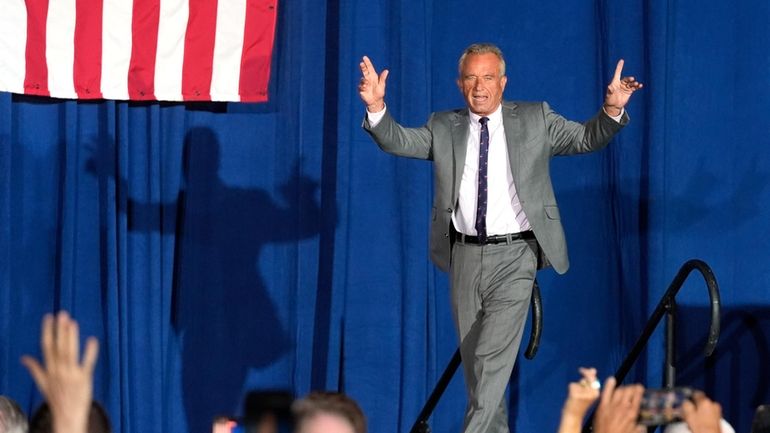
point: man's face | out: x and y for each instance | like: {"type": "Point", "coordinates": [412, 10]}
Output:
{"type": "Point", "coordinates": [325, 423]}
{"type": "Point", "coordinates": [481, 83]}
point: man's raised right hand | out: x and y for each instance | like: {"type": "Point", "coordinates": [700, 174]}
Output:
{"type": "Point", "coordinates": [372, 86]}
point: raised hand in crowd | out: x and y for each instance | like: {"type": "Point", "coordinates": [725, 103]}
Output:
{"type": "Point", "coordinates": [618, 408]}
{"type": "Point", "coordinates": [580, 396]}
{"type": "Point", "coordinates": [65, 381]}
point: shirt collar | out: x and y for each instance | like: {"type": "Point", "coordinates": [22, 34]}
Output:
{"type": "Point", "coordinates": [495, 117]}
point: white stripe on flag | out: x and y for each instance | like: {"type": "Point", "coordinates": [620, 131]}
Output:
{"type": "Point", "coordinates": [116, 47]}
{"type": "Point", "coordinates": [13, 44]}
{"type": "Point", "coordinates": [169, 56]}
{"type": "Point", "coordinates": [60, 48]}
{"type": "Point", "coordinates": [228, 47]}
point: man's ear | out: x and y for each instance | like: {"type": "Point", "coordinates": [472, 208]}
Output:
{"type": "Point", "coordinates": [503, 81]}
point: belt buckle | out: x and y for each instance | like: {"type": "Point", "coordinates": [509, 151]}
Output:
{"type": "Point", "coordinates": [494, 240]}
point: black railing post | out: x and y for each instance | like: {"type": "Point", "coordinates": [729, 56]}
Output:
{"type": "Point", "coordinates": [421, 425]}
{"type": "Point", "coordinates": [670, 364]}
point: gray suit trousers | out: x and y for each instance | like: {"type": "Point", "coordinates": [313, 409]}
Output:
{"type": "Point", "coordinates": [491, 286]}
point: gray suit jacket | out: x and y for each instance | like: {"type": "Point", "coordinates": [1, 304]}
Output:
{"type": "Point", "coordinates": [534, 134]}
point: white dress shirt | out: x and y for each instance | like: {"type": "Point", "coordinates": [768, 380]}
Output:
{"type": "Point", "coordinates": [504, 211]}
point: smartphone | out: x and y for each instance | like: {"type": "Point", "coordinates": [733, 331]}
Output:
{"type": "Point", "coordinates": [663, 406]}
{"type": "Point", "coordinates": [227, 425]}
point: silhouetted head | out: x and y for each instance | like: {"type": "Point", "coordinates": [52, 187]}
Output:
{"type": "Point", "coordinates": [267, 411]}
{"type": "Point", "coordinates": [275, 405]}
{"type": "Point", "coordinates": [12, 419]}
{"type": "Point", "coordinates": [42, 421]}
{"type": "Point", "coordinates": [328, 412]}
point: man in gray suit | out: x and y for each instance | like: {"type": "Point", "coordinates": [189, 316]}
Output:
{"type": "Point", "coordinates": [494, 220]}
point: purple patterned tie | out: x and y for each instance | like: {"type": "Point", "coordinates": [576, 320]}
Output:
{"type": "Point", "coordinates": [481, 199]}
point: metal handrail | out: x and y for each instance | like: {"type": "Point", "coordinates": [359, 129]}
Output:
{"type": "Point", "coordinates": [667, 306]}
{"type": "Point", "coordinates": [421, 425]}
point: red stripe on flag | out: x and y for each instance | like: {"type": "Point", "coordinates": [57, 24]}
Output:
{"type": "Point", "coordinates": [87, 73]}
{"type": "Point", "coordinates": [258, 38]}
{"type": "Point", "coordinates": [199, 50]}
{"type": "Point", "coordinates": [144, 45]}
{"type": "Point", "coordinates": [36, 76]}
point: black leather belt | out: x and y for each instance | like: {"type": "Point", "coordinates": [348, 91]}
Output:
{"type": "Point", "coordinates": [494, 239]}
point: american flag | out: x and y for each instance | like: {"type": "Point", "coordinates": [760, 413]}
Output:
{"type": "Point", "coordinates": [165, 50]}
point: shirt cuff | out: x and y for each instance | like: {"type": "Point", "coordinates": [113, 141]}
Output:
{"type": "Point", "coordinates": [615, 118]}
{"type": "Point", "coordinates": [375, 118]}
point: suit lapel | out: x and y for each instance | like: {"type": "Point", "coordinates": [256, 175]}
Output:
{"type": "Point", "coordinates": [513, 137]}
{"type": "Point", "coordinates": [460, 148]}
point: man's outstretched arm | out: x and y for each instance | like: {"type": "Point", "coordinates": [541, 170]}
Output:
{"type": "Point", "coordinates": [567, 137]}
{"type": "Point", "coordinates": [386, 132]}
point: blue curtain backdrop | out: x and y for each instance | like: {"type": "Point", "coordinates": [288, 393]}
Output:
{"type": "Point", "coordinates": [218, 248]}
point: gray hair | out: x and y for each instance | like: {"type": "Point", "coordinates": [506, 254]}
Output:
{"type": "Point", "coordinates": [482, 48]}
{"type": "Point", "coordinates": [12, 419]}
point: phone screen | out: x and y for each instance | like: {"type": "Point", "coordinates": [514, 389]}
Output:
{"type": "Point", "coordinates": [662, 406]}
